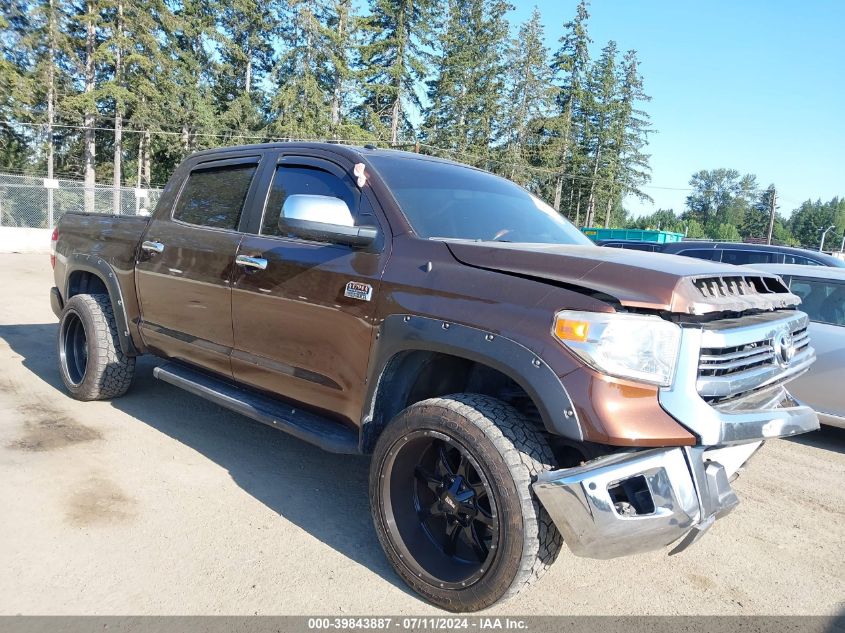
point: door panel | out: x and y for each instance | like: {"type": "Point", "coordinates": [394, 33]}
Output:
{"type": "Point", "coordinates": [824, 302]}
{"type": "Point", "coordinates": [186, 298]}
{"type": "Point", "coordinates": [296, 332]}
{"type": "Point", "coordinates": [821, 387]}
{"type": "Point", "coordinates": [184, 274]}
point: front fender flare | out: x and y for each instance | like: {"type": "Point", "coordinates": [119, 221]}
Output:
{"type": "Point", "coordinates": [401, 332]}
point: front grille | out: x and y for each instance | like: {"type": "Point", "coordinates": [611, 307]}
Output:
{"type": "Point", "coordinates": [737, 368]}
{"type": "Point", "coordinates": [737, 286]}
{"type": "Point", "coordinates": [725, 361]}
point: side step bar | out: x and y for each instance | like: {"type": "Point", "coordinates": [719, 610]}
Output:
{"type": "Point", "coordinates": [329, 435]}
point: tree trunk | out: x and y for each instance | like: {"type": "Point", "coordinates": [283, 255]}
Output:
{"type": "Point", "coordinates": [147, 158]}
{"type": "Point", "coordinates": [608, 209]}
{"type": "Point", "coordinates": [337, 93]}
{"type": "Point", "coordinates": [139, 171]}
{"type": "Point", "coordinates": [400, 60]}
{"type": "Point", "coordinates": [248, 85]}
{"type": "Point", "coordinates": [571, 196]}
{"type": "Point", "coordinates": [88, 119]}
{"type": "Point", "coordinates": [394, 121]}
{"type": "Point", "coordinates": [564, 150]}
{"type": "Point", "coordinates": [591, 202]}
{"type": "Point", "coordinates": [51, 107]}
{"type": "Point", "coordinates": [578, 209]}
{"type": "Point", "coordinates": [558, 192]}
{"type": "Point", "coordinates": [118, 111]}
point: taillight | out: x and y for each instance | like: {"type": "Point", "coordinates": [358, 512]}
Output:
{"type": "Point", "coordinates": [53, 239]}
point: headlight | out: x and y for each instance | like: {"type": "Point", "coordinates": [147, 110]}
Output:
{"type": "Point", "coordinates": [633, 346]}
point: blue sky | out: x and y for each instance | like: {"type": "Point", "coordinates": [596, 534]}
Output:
{"type": "Point", "coordinates": [751, 85]}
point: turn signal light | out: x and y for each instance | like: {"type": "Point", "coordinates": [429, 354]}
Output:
{"type": "Point", "coordinates": [570, 330]}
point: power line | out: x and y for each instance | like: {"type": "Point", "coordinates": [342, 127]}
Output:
{"type": "Point", "coordinates": [455, 154]}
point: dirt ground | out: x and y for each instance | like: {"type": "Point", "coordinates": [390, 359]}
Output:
{"type": "Point", "coordinates": [161, 503]}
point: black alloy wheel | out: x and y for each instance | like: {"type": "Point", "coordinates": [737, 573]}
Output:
{"type": "Point", "coordinates": [73, 347]}
{"type": "Point", "coordinates": [450, 492]}
{"type": "Point", "coordinates": [442, 508]}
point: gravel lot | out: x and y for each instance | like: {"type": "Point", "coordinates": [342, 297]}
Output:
{"type": "Point", "coordinates": [161, 503]}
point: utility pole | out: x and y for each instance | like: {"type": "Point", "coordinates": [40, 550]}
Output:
{"type": "Point", "coordinates": [772, 203]}
{"type": "Point", "coordinates": [824, 235]}
{"type": "Point", "coordinates": [51, 99]}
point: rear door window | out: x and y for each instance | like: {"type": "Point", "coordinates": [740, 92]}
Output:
{"type": "Point", "coordinates": [215, 196]}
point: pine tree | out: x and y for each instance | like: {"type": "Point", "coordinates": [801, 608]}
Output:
{"type": "Point", "coordinates": [244, 36]}
{"type": "Point", "coordinates": [340, 29]}
{"type": "Point", "coordinates": [89, 103]}
{"type": "Point", "coordinates": [301, 104]}
{"type": "Point", "coordinates": [41, 75]}
{"type": "Point", "coordinates": [627, 164]}
{"type": "Point", "coordinates": [112, 89]}
{"type": "Point", "coordinates": [599, 113]}
{"type": "Point", "coordinates": [186, 29]}
{"type": "Point", "coordinates": [570, 64]}
{"type": "Point", "coordinates": [392, 62]}
{"type": "Point", "coordinates": [466, 94]}
{"type": "Point", "coordinates": [529, 98]}
{"type": "Point", "coordinates": [15, 66]}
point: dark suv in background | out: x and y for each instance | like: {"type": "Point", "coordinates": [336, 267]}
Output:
{"type": "Point", "coordinates": [739, 254]}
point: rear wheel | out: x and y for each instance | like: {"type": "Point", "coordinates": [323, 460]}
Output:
{"type": "Point", "coordinates": [452, 505]}
{"type": "Point", "coordinates": [91, 363]}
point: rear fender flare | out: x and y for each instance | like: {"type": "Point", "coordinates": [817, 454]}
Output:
{"type": "Point", "coordinates": [101, 269]}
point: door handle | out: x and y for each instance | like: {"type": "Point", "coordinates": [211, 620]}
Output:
{"type": "Point", "coordinates": [251, 262]}
{"type": "Point", "coordinates": [152, 247]}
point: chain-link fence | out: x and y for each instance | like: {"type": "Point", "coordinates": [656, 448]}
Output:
{"type": "Point", "coordinates": [30, 201]}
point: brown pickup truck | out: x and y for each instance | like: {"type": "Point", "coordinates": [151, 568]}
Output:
{"type": "Point", "coordinates": [517, 387]}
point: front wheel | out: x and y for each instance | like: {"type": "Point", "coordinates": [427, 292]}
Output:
{"type": "Point", "coordinates": [92, 365]}
{"type": "Point", "coordinates": [452, 504]}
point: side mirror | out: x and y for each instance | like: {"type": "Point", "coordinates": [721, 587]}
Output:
{"type": "Point", "coordinates": [325, 219]}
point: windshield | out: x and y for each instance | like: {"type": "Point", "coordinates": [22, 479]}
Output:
{"type": "Point", "coordinates": [442, 200]}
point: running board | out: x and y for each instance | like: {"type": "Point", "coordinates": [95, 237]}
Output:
{"type": "Point", "coordinates": [309, 427]}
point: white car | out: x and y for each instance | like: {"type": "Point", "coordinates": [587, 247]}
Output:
{"type": "Point", "coordinates": [822, 292]}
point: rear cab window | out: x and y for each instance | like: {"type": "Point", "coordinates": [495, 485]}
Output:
{"type": "Point", "coordinates": [214, 195]}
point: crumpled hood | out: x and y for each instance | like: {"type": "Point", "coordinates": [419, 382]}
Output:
{"type": "Point", "coordinates": [637, 279]}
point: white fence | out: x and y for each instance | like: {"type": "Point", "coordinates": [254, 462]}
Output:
{"type": "Point", "coordinates": [34, 202]}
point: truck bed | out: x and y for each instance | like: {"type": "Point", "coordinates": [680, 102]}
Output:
{"type": "Point", "coordinates": [103, 242]}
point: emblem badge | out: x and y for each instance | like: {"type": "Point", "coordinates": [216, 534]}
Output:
{"type": "Point", "coordinates": [784, 347]}
{"type": "Point", "coordinates": [357, 290]}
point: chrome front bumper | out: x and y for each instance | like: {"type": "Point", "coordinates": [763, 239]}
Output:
{"type": "Point", "coordinates": [629, 503]}
{"type": "Point", "coordinates": [765, 412]}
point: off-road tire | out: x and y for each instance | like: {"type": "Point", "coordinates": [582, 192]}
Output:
{"type": "Point", "coordinates": [107, 371]}
{"type": "Point", "coordinates": [512, 453]}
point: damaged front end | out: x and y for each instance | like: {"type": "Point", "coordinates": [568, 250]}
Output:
{"type": "Point", "coordinates": [728, 389]}
{"type": "Point", "coordinates": [635, 502]}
